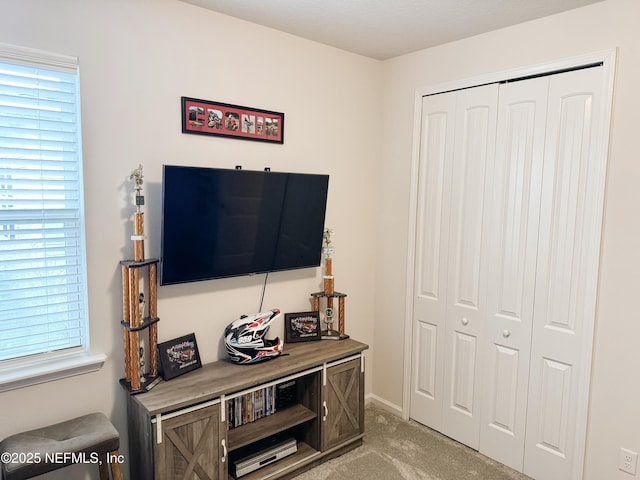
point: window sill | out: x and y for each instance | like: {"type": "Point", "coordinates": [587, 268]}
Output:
{"type": "Point", "coordinates": [24, 375]}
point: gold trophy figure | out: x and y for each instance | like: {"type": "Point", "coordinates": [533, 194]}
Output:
{"type": "Point", "coordinates": [142, 364]}
{"type": "Point", "coordinates": [138, 232]}
{"type": "Point", "coordinates": [330, 294]}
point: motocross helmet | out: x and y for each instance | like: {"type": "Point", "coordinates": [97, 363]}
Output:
{"type": "Point", "coordinates": [244, 338]}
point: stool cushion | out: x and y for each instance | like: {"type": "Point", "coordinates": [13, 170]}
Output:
{"type": "Point", "coordinates": [86, 434]}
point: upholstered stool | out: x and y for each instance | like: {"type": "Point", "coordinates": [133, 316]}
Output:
{"type": "Point", "coordinates": [88, 439]}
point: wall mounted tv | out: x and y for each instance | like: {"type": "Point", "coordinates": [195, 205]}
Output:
{"type": "Point", "coordinates": [220, 223]}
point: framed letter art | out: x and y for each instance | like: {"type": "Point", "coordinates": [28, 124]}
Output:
{"type": "Point", "coordinates": [204, 117]}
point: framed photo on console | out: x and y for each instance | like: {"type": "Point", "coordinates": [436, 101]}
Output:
{"type": "Point", "coordinates": [178, 356]}
{"type": "Point", "coordinates": [302, 327]}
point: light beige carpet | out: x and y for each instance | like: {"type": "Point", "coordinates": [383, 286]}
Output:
{"type": "Point", "coordinates": [394, 449]}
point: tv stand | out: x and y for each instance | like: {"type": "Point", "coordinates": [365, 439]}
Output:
{"type": "Point", "coordinates": [202, 420]}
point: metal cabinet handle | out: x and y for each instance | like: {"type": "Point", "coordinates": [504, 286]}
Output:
{"type": "Point", "coordinates": [224, 450]}
{"type": "Point", "coordinates": [326, 411]}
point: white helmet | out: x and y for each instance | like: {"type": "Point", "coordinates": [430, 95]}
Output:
{"type": "Point", "coordinates": [244, 338]}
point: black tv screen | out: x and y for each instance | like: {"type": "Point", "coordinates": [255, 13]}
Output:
{"type": "Point", "coordinates": [220, 223]}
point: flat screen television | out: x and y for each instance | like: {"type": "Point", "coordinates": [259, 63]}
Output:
{"type": "Point", "coordinates": [220, 223]}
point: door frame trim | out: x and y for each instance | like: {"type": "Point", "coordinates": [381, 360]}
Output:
{"type": "Point", "coordinates": [608, 60]}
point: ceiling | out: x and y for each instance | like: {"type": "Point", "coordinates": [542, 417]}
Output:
{"type": "Point", "coordinates": [384, 29]}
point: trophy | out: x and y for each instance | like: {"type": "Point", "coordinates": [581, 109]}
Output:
{"type": "Point", "coordinates": [139, 305]}
{"type": "Point", "coordinates": [330, 295]}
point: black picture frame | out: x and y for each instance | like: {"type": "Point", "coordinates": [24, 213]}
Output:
{"type": "Point", "coordinates": [204, 117]}
{"type": "Point", "coordinates": [302, 327]}
{"type": "Point", "coordinates": [178, 356]}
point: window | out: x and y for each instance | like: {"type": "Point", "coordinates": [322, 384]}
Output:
{"type": "Point", "coordinates": [43, 294]}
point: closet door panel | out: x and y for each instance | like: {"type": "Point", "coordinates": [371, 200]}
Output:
{"type": "Point", "coordinates": [436, 160]}
{"type": "Point", "coordinates": [464, 360]}
{"type": "Point", "coordinates": [565, 290]}
{"type": "Point", "coordinates": [426, 343]}
{"type": "Point", "coordinates": [512, 248]}
{"type": "Point", "coordinates": [475, 141]}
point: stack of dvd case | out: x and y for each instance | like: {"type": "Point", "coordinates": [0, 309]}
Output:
{"type": "Point", "coordinates": [251, 406]}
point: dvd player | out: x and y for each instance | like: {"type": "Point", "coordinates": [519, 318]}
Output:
{"type": "Point", "coordinates": [264, 457]}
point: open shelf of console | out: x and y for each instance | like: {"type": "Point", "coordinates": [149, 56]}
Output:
{"type": "Point", "coordinates": [268, 426]}
{"type": "Point", "coordinates": [303, 456]}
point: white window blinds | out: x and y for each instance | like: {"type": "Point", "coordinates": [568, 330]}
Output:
{"type": "Point", "coordinates": [42, 254]}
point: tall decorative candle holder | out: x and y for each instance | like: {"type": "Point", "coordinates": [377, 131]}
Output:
{"type": "Point", "coordinates": [329, 295]}
{"type": "Point", "coordinates": [139, 310]}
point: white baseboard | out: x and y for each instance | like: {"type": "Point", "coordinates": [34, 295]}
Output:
{"type": "Point", "coordinates": [383, 404]}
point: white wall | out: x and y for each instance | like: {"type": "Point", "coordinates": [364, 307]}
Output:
{"type": "Point", "coordinates": [614, 415]}
{"type": "Point", "coordinates": [137, 57]}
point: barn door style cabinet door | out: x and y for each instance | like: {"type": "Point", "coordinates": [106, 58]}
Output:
{"type": "Point", "coordinates": [343, 416]}
{"type": "Point", "coordinates": [192, 447]}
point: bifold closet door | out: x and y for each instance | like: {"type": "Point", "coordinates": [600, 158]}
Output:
{"type": "Point", "coordinates": [432, 246]}
{"type": "Point", "coordinates": [475, 137]}
{"type": "Point", "coordinates": [567, 275]}
{"type": "Point", "coordinates": [547, 207]}
{"type": "Point", "coordinates": [458, 135]}
{"type": "Point", "coordinates": [516, 182]}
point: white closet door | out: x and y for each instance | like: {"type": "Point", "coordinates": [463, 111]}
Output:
{"type": "Point", "coordinates": [565, 290]}
{"type": "Point", "coordinates": [506, 267]}
{"type": "Point", "coordinates": [436, 161]}
{"type": "Point", "coordinates": [465, 309]}
{"type": "Point", "coordinates": [512, 249]}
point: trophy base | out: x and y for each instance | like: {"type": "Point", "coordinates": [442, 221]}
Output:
{"type": "Point", "coordinates": [332, 335]}
{"type": "Point", "coordinates": [145, 385]}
